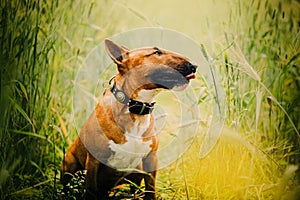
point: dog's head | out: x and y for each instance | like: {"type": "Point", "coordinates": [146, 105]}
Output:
{"type": "Point", "coordinates": [150, 68]}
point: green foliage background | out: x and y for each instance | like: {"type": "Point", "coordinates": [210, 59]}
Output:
{"type": "Point", "coordinates": [253, 44]}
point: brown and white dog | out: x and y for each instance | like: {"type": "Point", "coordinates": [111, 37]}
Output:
{"type": "Point", "coordinates": [120, 134]}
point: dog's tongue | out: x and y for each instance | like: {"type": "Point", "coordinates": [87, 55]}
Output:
{"type": "Point", "coordinates": [191, 76]}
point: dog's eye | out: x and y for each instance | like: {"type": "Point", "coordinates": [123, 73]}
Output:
{"type": "Point", "coordinates": [157, 52]}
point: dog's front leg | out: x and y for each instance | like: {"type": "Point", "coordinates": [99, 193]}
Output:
{"type": "Point", "coordinates": [92, 166]}
{"type": "Point", "coordinates": [150, 165]}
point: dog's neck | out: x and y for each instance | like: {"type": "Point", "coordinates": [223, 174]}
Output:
{"type": "Point", "coordinates": [144, 95]}
{"type": "Point", "coordinates": [136, 98]}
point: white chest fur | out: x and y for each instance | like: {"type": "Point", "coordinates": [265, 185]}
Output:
{"type": "Point", "coordinates": [130, 154]}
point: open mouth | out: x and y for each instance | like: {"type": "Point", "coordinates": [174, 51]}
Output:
{"type": "Point", "coordinates": [190, 76]}
{"type": "Point", "coordinates": [186, 82]}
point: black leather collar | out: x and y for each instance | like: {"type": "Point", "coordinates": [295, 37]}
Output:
{"type": "Point", "coordinates": [135, 107]}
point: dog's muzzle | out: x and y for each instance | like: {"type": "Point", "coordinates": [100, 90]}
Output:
{"type": "Point", "coordinates": [170, 77]}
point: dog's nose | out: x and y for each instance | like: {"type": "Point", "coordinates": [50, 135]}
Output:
{"type": "Point", "coordinates": [191, 67]}
{"type": "Point", "coordinates": [194, 68]}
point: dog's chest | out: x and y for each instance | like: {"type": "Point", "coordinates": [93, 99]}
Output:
{"type": "Point", "coordinates": [131, 153]}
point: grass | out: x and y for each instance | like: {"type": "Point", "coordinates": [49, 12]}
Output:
{"type": "Point", "coordinates": [233, 170]}
{"type": "Point", "coordinates": [254, 45]}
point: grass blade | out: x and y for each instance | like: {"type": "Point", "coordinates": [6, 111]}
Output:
{"type": "Point", "coordinates": [29, 134]}
{"type": "Point", "coordinates": [22, 112]}
{"type": "Point", "coordinates": [257, 110]}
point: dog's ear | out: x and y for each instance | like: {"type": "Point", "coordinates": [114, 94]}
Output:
{"type": "Point", "coordinates": [115, 51]}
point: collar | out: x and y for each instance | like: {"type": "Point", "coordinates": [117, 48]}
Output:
{"type": "Point", "coordinates": [135, 107]}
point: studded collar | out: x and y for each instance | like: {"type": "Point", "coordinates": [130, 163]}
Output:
{"type": "Point", "coordinates": [135, 107]}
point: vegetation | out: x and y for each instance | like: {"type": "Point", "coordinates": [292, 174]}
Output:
{"type": "Point", "coordinates": [254, 46]}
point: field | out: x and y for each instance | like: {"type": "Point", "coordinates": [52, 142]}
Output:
{"type": "Point", "coordinates": [252, 53]}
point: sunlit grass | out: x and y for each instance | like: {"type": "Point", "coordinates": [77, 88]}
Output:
{"type": "Point", "coordinates": [235, 169]}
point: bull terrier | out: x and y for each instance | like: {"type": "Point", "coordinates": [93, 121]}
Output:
{"type": "Point", "coordinates": [120, 135]}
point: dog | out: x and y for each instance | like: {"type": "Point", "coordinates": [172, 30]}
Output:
{"type": "Point", "coordinates": [120, 135]}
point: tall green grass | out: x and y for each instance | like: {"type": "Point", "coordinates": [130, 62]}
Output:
{"type": "Point", "coordinates": [43, 43]}
{"type": "Point", "coordinates": [262, 70]}
{"type": "Point", "coordinates": [27, 47]}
